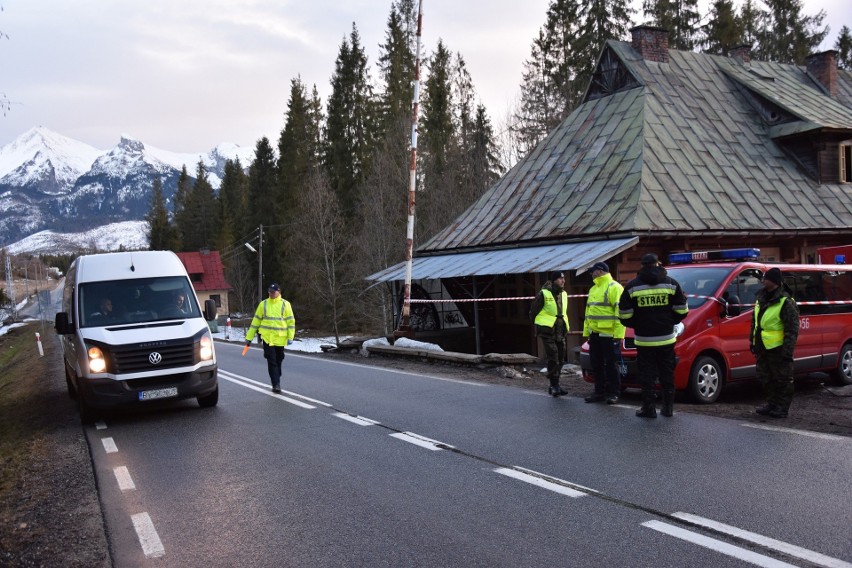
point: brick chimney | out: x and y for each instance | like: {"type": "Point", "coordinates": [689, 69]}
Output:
{"type": "Point", "coordinates": [652, 43]}
{"type": "Point", "coordinates": [823, 68]}
{"type": "Point", "coordinates": [742, 53]}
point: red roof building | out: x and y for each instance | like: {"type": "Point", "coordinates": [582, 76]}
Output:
{"type": "Point", "coordinates": [208, 277]}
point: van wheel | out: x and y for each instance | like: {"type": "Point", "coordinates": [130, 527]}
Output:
{"type": "Point", "coordinates": [705, 380]}
{"type": "Point", "coordinates": [72, 392]}
{"type": "Point", "coordinates": [843, 374]}
{"type": "Point", "coordinates": [87, 413]}
{"type": "Point", "coordinates": [210, 400]}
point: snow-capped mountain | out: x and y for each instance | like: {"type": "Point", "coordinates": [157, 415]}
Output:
{"type": "Point", "coordinates": [126, 235]}
{"type": "Point", "coordinates": [52, 182]}
{"type": "Point", "coordinates": [40, 161]}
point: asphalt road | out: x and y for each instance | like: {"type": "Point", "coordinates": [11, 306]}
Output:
{"type": "Point", "coordinates": [361, 466]}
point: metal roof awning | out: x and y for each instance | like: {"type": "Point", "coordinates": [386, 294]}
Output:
{"type": "Point", "coordinates": [569, 256]}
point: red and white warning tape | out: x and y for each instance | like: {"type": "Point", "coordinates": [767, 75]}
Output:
{"type": "Point", "coordinates": [421, 301]}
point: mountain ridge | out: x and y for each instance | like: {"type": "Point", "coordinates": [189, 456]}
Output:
{"type": "Point", "coordinates": [49, 181]}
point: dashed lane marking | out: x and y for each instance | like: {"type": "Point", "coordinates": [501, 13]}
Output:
{"type": "Point", "coordinates": [421, 441]}
{"type": "Point", "coordinates": [148, 537]}
{"type": "Point", "coordinates": [100, 425]}
{"type": "Point", "coordinates": [819, 435]}
{"type": "Point", "coordinates": [717, 545]}
{"type": "Point", "coordinates": [268, 392]}
{"type": "Point", "coordinates": [360, 420]}
{"type": "Point", "coordinates": [109, 445]}
{"type": "Point", "coordinates": [125, 482]}
{"type": "Point", "coordinates": [540, 480]}
{"type": "Point", "coordinates": [764, 541]}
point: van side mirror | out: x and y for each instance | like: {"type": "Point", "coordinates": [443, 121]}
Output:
{"type": "Point", "coordinates": [209, 310]}
{"type": "Point", "coordinates": [63, 326]}
{"type": "Point", "coordinates": [732, 307]}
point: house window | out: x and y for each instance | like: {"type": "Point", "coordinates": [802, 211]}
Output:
{"type": "Point", "coordinates": [216, 298]}
{"type": "Point", "coordinates": [846, 162]}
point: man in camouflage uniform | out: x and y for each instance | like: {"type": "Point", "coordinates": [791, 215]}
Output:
{"type": "Point", "coordinates": [774, 331]}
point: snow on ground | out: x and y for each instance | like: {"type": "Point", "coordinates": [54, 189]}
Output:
{"type": "Point", "coordinates": [312, 344]}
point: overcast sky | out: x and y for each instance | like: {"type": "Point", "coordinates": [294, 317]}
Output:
{"type": "Point", "coordinates": [186, 75]}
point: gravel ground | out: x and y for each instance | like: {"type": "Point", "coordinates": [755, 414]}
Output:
{"type": "Point", "coordinates": [50, 512]}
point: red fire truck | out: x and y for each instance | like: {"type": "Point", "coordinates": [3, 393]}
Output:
{"type": "Point", "coordinates": [712, 348]}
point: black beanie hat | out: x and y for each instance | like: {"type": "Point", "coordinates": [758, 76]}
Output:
{"type": "Point", "coordinates": [773, 275]}
{"type": "Point", "coordinates": [556, 274]}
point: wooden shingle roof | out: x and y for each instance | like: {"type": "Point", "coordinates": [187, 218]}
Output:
{"type": "Point", "coordinates": [680, 149]}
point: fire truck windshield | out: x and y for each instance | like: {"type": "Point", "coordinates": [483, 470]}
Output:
{"type": "Point", "coordinates": [699, 280]}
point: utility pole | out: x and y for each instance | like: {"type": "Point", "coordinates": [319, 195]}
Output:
{"type": "Point", "coordinates": [405, 319]}
{"type": "Point", "coordinates": [260, 265]}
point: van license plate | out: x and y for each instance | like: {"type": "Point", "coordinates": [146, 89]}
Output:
{"type": "Point", "coordinates": [159, 393]}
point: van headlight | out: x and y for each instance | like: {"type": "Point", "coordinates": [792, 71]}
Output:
{"type": "Point", "coordinates": [678, 329]}
{"type": "Point", "coordinates": [205, 351]}
{"type": "Point", "coordinates": [97, 361]}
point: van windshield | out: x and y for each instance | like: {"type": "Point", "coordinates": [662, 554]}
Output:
{"type": "Point", "coordinates": [699, 281]}
{"type": "Point", "coordinates": [120, 302]}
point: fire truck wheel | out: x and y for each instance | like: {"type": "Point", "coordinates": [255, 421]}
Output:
{"type": "Point", "coordinates": [705, 380]}
{"type": "Point", "coordinates": [843, 374]}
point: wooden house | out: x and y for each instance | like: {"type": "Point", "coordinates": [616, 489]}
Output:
{"type": "Point", "coordinates": [669, 151]}
{"type": "Point", "coordinates": [208, 277]}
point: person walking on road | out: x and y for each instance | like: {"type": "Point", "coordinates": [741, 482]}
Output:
{"type": "Point", "coordinates": [774, 331]}
{"type": "Point", "coordinates": [548, 312]}
{"type": "Point", "coordinates": [275, 323]}
{"type": "Point", "coordinates": [604, 332]}
{"type": "Point", "coordinates": [652, 303]}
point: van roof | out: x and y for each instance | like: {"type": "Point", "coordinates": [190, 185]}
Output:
{"type": "Point", "coordinates": [128, 265]}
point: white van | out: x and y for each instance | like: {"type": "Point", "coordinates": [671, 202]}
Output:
{"type": "Point", "coordinates": [132, 332]}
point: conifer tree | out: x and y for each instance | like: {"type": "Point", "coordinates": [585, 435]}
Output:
{"type": "Point", "coordinates": [348, 136]}
{"type": "Point", "coordinates": [843, 45]}
{"type": "Point", "coordinates": [396, 65]}
{"type": "Point", "coordinates": [724, 30]}
{"type": "Point", "coordinates": [550, 86]}
{"type": "Point", "coordinates": [751, 19]}
{"type": "Point", "coordinates": [200, 214]}
{"type": "Point", "coordinates": [179, 207]}
{"type": "Point", "coordinates": [679, 17]}
{"type": "Point", "coordinates": [600, 20]}
{"type": "Point", "coordinates": [161, 233]}
{"type": "Point", "coordinates": [299, 158]}
{"type": "Point", "coordinates": [788, 36]}
{"type": "Point", "coordinates": [262, 185]}
{"type": "Point", "coordinates": [232, 199]}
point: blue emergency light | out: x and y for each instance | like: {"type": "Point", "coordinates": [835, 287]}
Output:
{"type": "Point", "coordinates": [704, 256]}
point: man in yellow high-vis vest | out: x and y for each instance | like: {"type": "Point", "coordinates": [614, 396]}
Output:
{"type": "Point", "coordinates": [605, 334]}
{"type": "Point", "coordinates": [774, 331]}
{"type": "Point", "coordinates": [274, 322]}
{"type": "Point", "coordinates": [550, 316]}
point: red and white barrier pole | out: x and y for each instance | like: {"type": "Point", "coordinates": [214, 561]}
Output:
{"type": "Point", "coordinates": [40, 348]}
{"type": "Point", "coordinates": [228, 329]}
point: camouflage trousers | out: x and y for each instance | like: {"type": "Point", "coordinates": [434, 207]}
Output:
{"type": "Point", "coordinates": [775, 373]}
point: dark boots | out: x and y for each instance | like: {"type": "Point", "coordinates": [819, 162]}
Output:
{"type": "Point", "coordinates": [648, 409]}
{"type": "Point", "coordinates": [668, 403]}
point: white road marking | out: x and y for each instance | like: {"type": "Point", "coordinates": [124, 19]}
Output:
{"type": "Point", "coordinates": [266, 391]}
{"type": "Point", "coordinates": [267, 387]}
{"type": "Point", "coordinates": [795, 431]}
{"type": "Point", "coordinates": [779, 545]}
{"type": "Point", "coordinates": [717, 545]}
{"type": "Point", "coordinates": [109, 445]}
{"type": "Point", "coordinates": [421, 441]}
{"type": "Point", "coordinates": [148, 537]}
{"type": "Point", "coordinates": [125, 482]}
{"type": "Point", "coordinates": [418, 375]}
{"type": "Point", "coordinates": [100, 425]}
{"type": "Point", "coordinates": [540, 482]}
{"type": "Point", "coordinates": [360, 420]}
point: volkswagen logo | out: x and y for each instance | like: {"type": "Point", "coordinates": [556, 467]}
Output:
{"type": "Point", "coordinates": [155, 358]}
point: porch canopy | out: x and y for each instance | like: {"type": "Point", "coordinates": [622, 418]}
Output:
{"type": "Point", "coordinates": [521, 260]}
